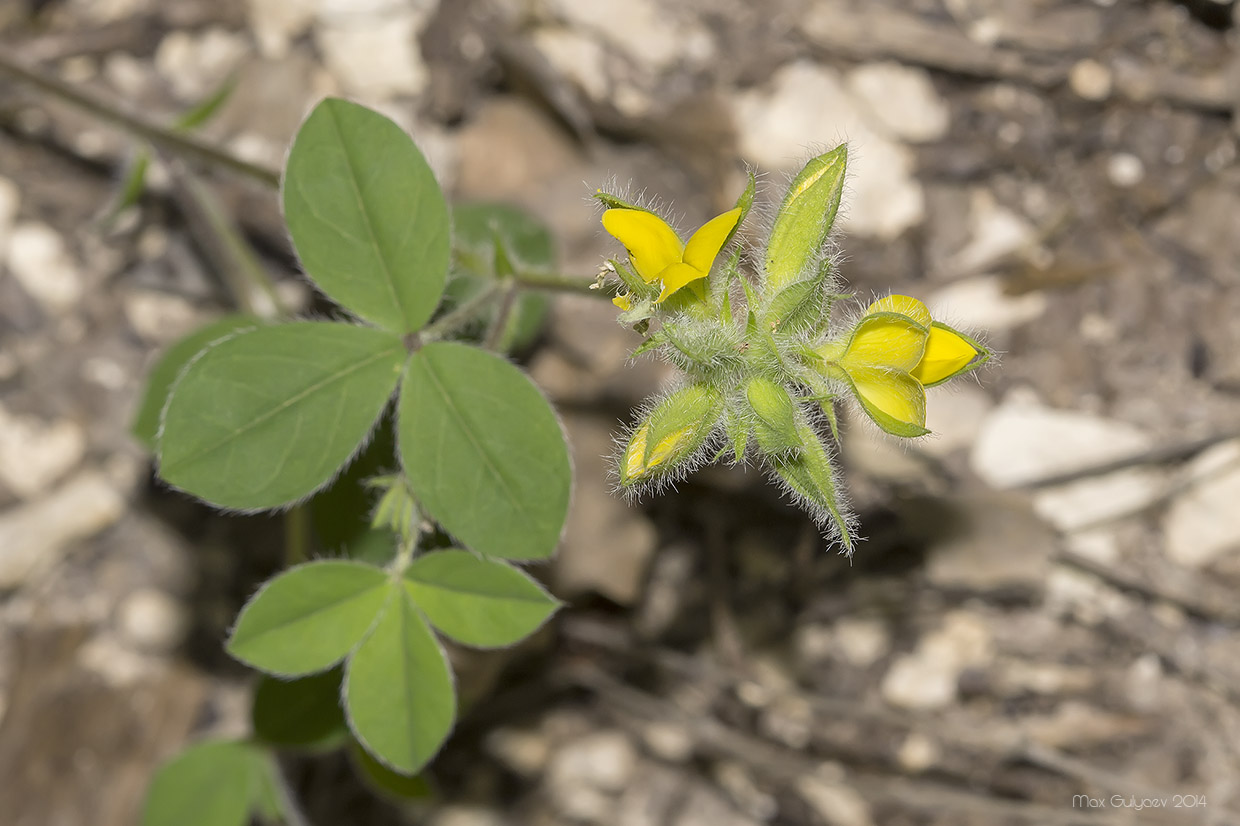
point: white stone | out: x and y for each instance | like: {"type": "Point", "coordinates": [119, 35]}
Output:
{"type": "Point", "coordinates": [836, 804]}
{"type": "Point", "coordinates": [10, 202]}
{"type": "Point", "coordinates": [1203, 523]}
{"type": "Point", "coordinates": [901, 100]}
{"type": "Point", "coordinates": [917, 753]}
{"type": "Point", "coordinates": [375, 57]}
{"type": "Point", "coordinates": [459, 815]}
{"type": "Point", "coordinates": [35, 454]}
{"type": "Point", "coordinates": [576, 57]}
{"type": "Point", "coordinates": [584, 777]}
{"type": "Point", "coordinates": [196, 63]}
{"type": "Point", "coordinates": [1022, 441]}
{"type": "Point", "coordinates": [41, 263]}
{"type": "Point", "coordinates": [276, 23]}
{"type": "Point", "coordinates": [1125, 169]}
{"type": "Point", "coordinates": [159, 317]}
{"type": "Point", "coordinates": [953, 414]}
{"type": "Point", "coordinates": [640, 27]}
{"type": "Point", "coordinates": [151, 620]}
{"type": "Point", "coordinates": [861, 642]}
{"type": "Point", "coordinates": [995, 232]}
{"type": "Point", "coordinates": [1091, 80]}
{"type": "Point", "coordinates": [927, 678]}
{"type": "Point", "coordinates": [980, 304]}
{"type": "Point", "coordinates": [668, 741]}
{"type": "Point", "coordinates": [33, 537]}
{"type": "Point", "coordinates": [525, 752]}
{"type": "Point", "coordinates": [808, 104]}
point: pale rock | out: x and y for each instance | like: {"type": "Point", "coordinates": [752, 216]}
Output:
{"type": "Point", "coordinates": [789, 719]}
{"type": "Point", "coordinates": [982, 543]}
{"type": "Point", "coordinates": [151, 620]}
{"type": "Point", "coordinates": [807, 104]}
{"type": "Point", "coordinates": [703, 806]}
{"type": "Point", "coordinates": [585, 775]}
{"type": "Point", "coordinates": [524, 752]}
{"type": "Point", "coordinates": [927, 677]}
{"type": "Point", "coordinates": [668, 741]}
{"type": "Point", "coordinates": [917, 753]}
{"type": "Point", "coordinates": [1091, 80]}
{"type": "Point", "coordinates": [35, 454]}
{"type": "Point", "coordinates": [462, 815]}
{"type": "Point", "coordinates": [1202, 525]}
{"type": "Point", "coordinates": [1020, 677]}
{"type": "Point", "coordinates": [33, 537]}
{"type": "Point", "coordinates": [1125, 169]}
{"type": "Point", "coordinates": [861, 642]}
{"type": "Point", "coordinates": [375, 57]}
{"type": "Point", "coordinates": [639, 27]}
{"type": "Point", "coordinates": [1022, 441]}
{"type": "Point", "coordinates": [1145, 688]}
{"type": "Point", "coordinates": [835, 803]}
{"type": "Point", "coordinates": [159, 317]}
{"type": "Point", "coordinates": [1097, 544]}
{"type": "Point", "coordinates": [277, 23]}
{"type": "Point", "coordinates": [953, 414]}
{"type": "Point", "coordinates": [1074, 725]}
{"type": "Point", "coordinates": [901, 100]}
{"type": "Point", "coordinates": [10, 202]}
{"type": "Point", "coordinates": [607, 543]}
{"type": "Point", "coordinates": [995, 232]}
{"type": "Point", "coordinates": [195, 64]}
{"type": "Point", "coordinates": [737, 781]}
{"type": "Point", "coordinates": [117, 664]}
{"type": "Point", "coordinates": [41, 263]}
{"type": "Point", "coordinates": [129, 76]}
{"type": "Point", "coordinates": [575, 57]}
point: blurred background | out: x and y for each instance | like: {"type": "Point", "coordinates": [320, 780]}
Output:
{"type": "Point", "coordinates": [1047, 603]}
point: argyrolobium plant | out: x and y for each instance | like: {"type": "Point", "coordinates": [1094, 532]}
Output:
{"type": "Point", "coordinates": [761, 358]}
{"type": "Point", "coordinates": [463, 469]}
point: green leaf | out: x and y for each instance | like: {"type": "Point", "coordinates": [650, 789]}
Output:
{"type": "Point", "coordinates": [367, 218]}
{"type": "Point", "coordinates": [483, 451]}
{"type": "Point", "coordinates": [215, 783]}
{"type": "Point", "coordinates": [398, 689]}
{"type": "Point", "coordinates": [805, 219]}
{"type": "Point", "coordinates": [310, 617]}
{"type": "Point", "coordinates": [387, 783]}
{"type": "Point", "coordinates": [267, 416]}
{"type": "Point", "coordinates": [164, 374]}
{"type": "Point", "coordinates": [303, 713]}
{"type": "Point", "coordinates": [476, 601]}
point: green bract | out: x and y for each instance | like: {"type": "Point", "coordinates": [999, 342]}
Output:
{"type": "Point", "coordinates": [250, 416]}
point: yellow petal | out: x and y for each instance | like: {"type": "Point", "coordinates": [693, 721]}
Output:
{"type": "Point", "coordinates": [892, 341]}
{"type": "Point", "coordinates": [704, 246]}
{"type": "Point", "coordinates": [665, 447]}
{"type": "Point", "coordinates": [904, 305]}
{"type": "Point", "coordinates": [651, 243]}
{"type": "Point", "coordinates": [675, 277]}
{"type": "Point", "coordinates": [947, 353]}
{"type": "Point", "coordinates": [623, 301]}
{"type": "Point", "coordinates": [635, 455]}
{"type": "Point", "coordinates": [894, 399]}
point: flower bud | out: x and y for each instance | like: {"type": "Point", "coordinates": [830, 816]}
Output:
{"type": "Point", "coordinates": [808, 473]}
{"type": "Point", "coordinates": [805, 219]}
{"type": "Point", "coordinates": [671, 434]}
{"type": "Point", "coordinates": [774, 422]}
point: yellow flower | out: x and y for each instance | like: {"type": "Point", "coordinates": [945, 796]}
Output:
{"type": "Point", "coordinates": [894, 353]}
{"type": "Point", "coordinates": [656, 251]}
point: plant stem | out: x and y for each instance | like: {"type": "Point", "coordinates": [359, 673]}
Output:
{"type": "Point", "coordinates": [495, 332]}
{"type": "Point", "coordinates": [560, 282]}
{"type": "Point", "coordinates": [161, 136]}
{"type": "Point", "coordinates": [296, 535]}
{"type": "Point", "coordinates": [461, 314]}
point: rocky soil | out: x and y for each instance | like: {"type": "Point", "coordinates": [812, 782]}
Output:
{"type": "Point", "coordinates": [1048, 603]}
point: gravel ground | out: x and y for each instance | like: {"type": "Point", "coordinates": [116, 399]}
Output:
{"type": "Point", "coordinates": [1042, 625]}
